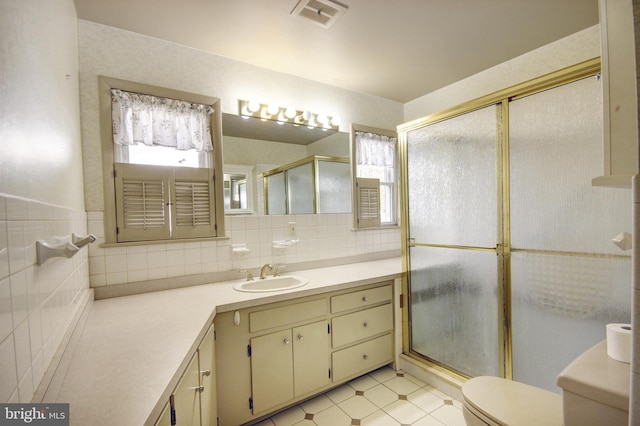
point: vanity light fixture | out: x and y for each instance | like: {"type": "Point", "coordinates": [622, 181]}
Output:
{"type": "Point", "coordinates": [287, 115]}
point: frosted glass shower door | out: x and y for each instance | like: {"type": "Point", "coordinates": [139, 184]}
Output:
{"type": "Point", "coordinates": [301, 189]}
{"type": "Point", "coordinates": [567, 278]}
{"type": "Point", "coordinates": [452, 201]}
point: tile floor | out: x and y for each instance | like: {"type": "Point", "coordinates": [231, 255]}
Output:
{"type": "Point", "coordinates": [384, 397]}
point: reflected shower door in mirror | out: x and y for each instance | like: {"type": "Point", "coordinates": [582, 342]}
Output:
{"type": "Point", "coordinates": [316, 184]}
{"type": "Point", "coordinates": [238, 189]}
{"type": "Point", "coordinates": [263, 146]}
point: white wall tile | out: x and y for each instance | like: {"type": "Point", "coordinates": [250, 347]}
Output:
{"type": "Point", "coordinates": [22, 348]}
{"type": "Point", "coordinates": [8, 375]}
{"type": "Point", "coordinates": [36, 302]}
{"type": "Point", "coordinates": [320, 237]}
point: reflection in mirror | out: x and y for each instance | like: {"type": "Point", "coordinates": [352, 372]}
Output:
{"type": "Point", "coordinates": [261, 146]}
{"type": "Point", "coordinates": [238, 189]}
{"type": "Point", "coordinates": [316, 184]}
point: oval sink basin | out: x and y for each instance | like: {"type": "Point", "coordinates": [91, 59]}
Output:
{"type": "Point", "coordinates": [270, 284]}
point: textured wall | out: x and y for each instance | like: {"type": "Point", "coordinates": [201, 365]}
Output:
{"type": "Point", "coordinates": [40, 150]}
{"type": "Point", "coordinates": [121, 54]}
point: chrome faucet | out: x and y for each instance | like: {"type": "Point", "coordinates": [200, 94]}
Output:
{"type": "Point", "coordinates": [266, 268]}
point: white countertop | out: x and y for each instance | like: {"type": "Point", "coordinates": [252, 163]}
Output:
{"type": "Point", "coordinates": [131, 350]}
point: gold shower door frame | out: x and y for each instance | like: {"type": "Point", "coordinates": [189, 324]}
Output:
{"type": "Point", "coordinates": [503, 247]}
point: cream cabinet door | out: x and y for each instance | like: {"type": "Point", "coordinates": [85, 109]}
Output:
{"type": "Point", "coordinates": [271, 370]}
{"type": "Point", "coordinates": [165, 417]}
{"type": "Point", "coordinates": [186, 398]}
{"type": "Point", "coordinates": [310, 357]}
{"type": "Point", "coordinates": [206, 357]}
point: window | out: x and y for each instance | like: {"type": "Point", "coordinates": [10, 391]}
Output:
{"type": "Point", "coordinates": [160, 157]}
{"type": "Point", "coordinates": [374, 154]}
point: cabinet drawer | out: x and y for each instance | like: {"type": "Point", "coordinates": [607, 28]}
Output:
{"type": "Point", "coordinates": [361, 325]}
{"type": "Point", "coordinates": [361, 299]}
{"type": "Point", "coordinates": [286, 315]}
{"type": "Point", "coordinates": [359, 358]}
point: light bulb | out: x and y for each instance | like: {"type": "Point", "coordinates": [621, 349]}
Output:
{"type": "Point", "coordinates": [290, 112]}
{"type": "Point", "coordinates": [253, 106]}
{"type": "Point", "coordinates": [273, 109]}
{"type": "Point", "coordinates": [282, 118]}
{"type": "Point", "coordinates": [335, 121]}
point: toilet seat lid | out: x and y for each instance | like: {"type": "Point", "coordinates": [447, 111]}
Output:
{"type": "Point", "coordinates": [506, 402]}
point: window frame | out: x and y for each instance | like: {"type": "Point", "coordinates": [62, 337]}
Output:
{"type": "Point", "coordinates": [105, 84]}
{"type": "Point", "coordinates": [354, 179]}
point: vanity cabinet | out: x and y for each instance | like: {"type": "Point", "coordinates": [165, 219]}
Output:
{"type": "Point", "coordinates": [273, 355]}
{"type": "Point", "coordinates": [362, 336]}
{"type": "Point", "coordinates": [289, 363]}
{"type": "Point", "coordinates": [620, 96]}
{"type": "Point", "coordinates": [193, 401]}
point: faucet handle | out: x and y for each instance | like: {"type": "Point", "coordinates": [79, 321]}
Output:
{"type": "Point", "coordinates": [249, 274]}
{"type": "Point", "coordinates": [277, 267]}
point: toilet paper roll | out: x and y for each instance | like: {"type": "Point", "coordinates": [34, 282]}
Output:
{"type": "Point", "coordinates": [619, 342]}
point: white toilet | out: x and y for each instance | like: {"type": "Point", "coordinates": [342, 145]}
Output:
{"type": "Point", "coordinates": [595, 392]}
{"type": "Point", "coordinates": [500, 402]}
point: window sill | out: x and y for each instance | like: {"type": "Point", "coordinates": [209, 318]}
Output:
{"type": "Point", "coordinates": [154, 242]}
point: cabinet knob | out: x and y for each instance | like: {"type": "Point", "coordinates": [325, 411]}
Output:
{"type": "Point", "coordinates": [199, 389]}
{"type": "Point", "coordinates": [365, 324]}
{"type": "Point", "coordinates": [365, 298]}
{"type": "Point", "coordinates": [206, 373]}
{"type": "Point", "coordinates": [365, 356]}
{"type": "Point", "coordinates": [286, 341]}
{"type": "Point", "coordinates": [300, 337]}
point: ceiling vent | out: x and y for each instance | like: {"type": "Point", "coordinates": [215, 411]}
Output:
{"type": "Point", "coordinates": [321, 12]}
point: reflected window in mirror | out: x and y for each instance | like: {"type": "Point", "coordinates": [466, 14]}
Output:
{"type": "Point", "coordinates": [238, 189]}
{"type": "Point", "coordinates": [375, 167]}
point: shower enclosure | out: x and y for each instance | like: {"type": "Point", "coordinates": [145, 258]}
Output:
{"type": "Point", "coordinates": [511, 268]}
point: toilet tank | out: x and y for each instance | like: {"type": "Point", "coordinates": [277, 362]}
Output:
{"type": "Point", "coordinates": [595, 389]}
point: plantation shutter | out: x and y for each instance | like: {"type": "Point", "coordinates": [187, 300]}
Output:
{"type": "Point", "coordinates": [142, 194]}
{"type": "Point", "coordinates": [368, 203]}
{"type": "Point", "coordinates": [163, 203]}
{"type": "Point", "coordinates": [193, 203]}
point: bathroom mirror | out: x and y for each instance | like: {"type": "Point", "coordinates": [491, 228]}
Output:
{"type": "Point", "coordinates": [252, 147]}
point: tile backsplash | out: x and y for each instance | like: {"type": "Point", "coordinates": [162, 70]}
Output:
{"type": "Point", "coordinates": [320, 237]}
{"type": "Point", "coordinates": [37, 303]}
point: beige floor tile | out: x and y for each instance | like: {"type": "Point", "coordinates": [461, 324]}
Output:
{"type": "Point", "coordinates": [427, 421]}
{"type": "Point", "coordinates": [358, 407]}
{"type": "Point", "coordinates": [340, 394]}
{"type": "Point", "coordinates": [383, 374]}
{"type": "Point", "coordinates": [404, 412]}
{"type": "Point", "coordinates": [363, 383]}
{"type": "Point", "coordinates": [449, 415]}
{"type": "Point", "coordinates": [333, 416]}
{"type": "Point", "coordinates": [401, 386]}
{"type": "Point", "coordinates": [289, 417]}
{"type": "Point", "coordinates": [381, 395]}
{"type": "Point", "coordinates": [379, 418]}
{"type": "Point", "coordinates": [316, 404]}
{"type": "Point", "coordinates": [425, 400]}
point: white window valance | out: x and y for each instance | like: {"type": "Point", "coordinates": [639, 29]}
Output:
{"type": "Point", "coordinates": [151, 120]}
{"type": "Point", "coordinates": [375, 150]}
